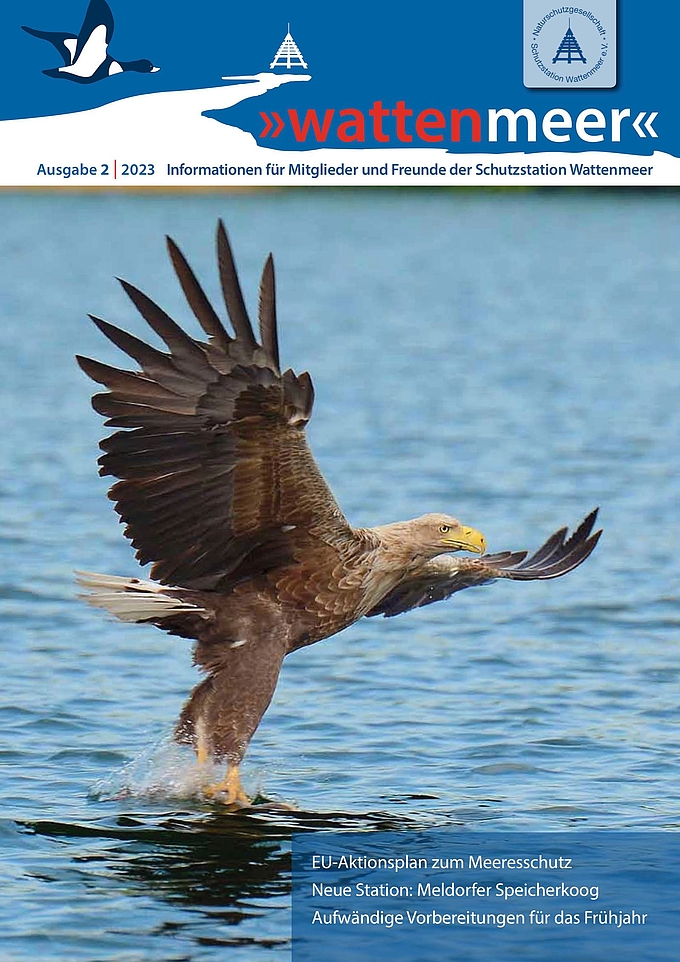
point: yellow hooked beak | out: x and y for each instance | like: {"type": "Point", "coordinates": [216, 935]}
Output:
{"type": "Point", "coordinates": [466, 539]}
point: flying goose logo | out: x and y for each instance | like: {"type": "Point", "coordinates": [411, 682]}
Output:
{"type": "Point", "coordinates": [85, 55]}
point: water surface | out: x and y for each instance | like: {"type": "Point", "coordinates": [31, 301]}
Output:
{"type": "Point", "coordinates": [510, 358]}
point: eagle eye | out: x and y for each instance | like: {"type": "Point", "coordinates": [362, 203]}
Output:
{"type": "Point", "coordinates": [444, 528]}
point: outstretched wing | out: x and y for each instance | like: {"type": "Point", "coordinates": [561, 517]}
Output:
{"type": "Point", "coordinates": [97, 16]}
{"type": "Point", "coordinates": [64, 43]}
{"type": "Point", "coordinates": [217, 481]}
{"type": "Point", "coordinates": [442, 576]}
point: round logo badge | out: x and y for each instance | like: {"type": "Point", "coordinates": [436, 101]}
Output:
{"type": "Point", "coordinates": [569, 45]}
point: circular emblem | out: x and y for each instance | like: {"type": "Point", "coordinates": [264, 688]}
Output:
{"type": "Point", "coordinates": [569, 45]}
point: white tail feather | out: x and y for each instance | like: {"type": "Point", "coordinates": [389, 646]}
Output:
{"type": "Point", "coordinates": [132, 599]}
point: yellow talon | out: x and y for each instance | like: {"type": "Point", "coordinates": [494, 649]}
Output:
{"type": "Point", "coordinates": [231, 787]}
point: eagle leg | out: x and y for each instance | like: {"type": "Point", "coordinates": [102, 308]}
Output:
{"type": "Point", "coordinates": [231, 786]}
{"type": "Point", "coordinates": [202, 751]}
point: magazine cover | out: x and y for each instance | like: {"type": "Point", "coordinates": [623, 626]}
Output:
{"type": "Point", "coordinates": [339, 495]}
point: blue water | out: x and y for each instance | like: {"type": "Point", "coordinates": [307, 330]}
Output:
{"type": "Point", "coordinates": [510, 358]}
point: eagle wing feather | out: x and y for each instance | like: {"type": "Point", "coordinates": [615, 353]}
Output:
{"type": "Point", "coordinates": [215, 474]}
{"type": "Point", "coordinates": [444, 575]}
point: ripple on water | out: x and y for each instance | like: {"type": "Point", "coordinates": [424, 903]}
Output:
{"type": "Point", "coordinates": [540, 706]}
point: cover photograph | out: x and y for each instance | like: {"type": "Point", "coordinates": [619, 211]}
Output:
{"type": "Point", "coordinates": [339, 490]}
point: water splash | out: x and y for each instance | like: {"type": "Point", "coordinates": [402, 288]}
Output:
{"type": "Point", "coordinates": [162, 771]}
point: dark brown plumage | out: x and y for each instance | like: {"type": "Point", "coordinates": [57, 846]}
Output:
{"type": "Point", "coordinates": [251, 556]}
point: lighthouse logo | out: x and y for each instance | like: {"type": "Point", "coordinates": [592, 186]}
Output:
{"type": "Point", "coordinates": [570, 47]}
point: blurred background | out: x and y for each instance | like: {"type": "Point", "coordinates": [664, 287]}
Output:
{"type": "Point", "coordinates": [507, 357]}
